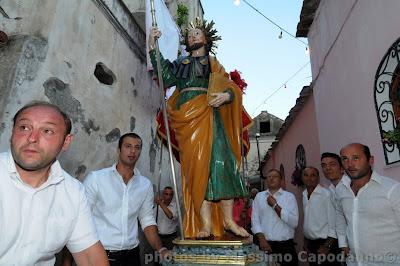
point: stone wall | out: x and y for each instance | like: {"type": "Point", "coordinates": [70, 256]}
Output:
{"type": "Point", "coordinates": [88, 57]}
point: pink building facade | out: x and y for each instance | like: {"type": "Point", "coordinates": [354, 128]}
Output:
{"type": "Point", "coordinates": [355, 91]}
{"type": "Point", "coordinates": [355, 54]}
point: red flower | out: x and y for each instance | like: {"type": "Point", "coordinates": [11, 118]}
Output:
{"type": "Point", "coordinates": [235, 76]}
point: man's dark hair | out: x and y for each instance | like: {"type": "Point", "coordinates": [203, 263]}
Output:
{"type": "Point", "coordinates": [67, 120]}
{"type": "Point", "coordinates": [366, 151]}
{"type": "Point", "coordinates": [309, 167]}
{"type": "Point", "coordinates": [209, 32]}
{"type": "Point", "coordinates": [332, 155]}
{"type": "Point", "coordinates": [168, 187]}
{"type": "Point", "coordinates": [275, 170]}
{"type": "Point", "coordinates": [130, 135]}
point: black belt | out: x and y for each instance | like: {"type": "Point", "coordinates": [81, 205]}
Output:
{"type": "Point", "coordinates": [167, 235]}
{"type": "Point", "coordinates": [318, 241]}
{"type": "Point", "coordinates": [289, 241]}
{"type": "Point", "coordinates": [121, 253]}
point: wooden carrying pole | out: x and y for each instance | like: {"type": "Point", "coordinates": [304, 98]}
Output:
{"type": "Point", "coordinates": [165, 118]}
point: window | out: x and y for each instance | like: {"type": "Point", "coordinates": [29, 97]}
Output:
{"type": "Point", "coordinates": [387, 98]}
{"type": "Point", "coordinates": [300, 157]}
{"type": "Point", "coordinates": [265, 127]}
{"type": "Point", "coordinates": [301, 163]}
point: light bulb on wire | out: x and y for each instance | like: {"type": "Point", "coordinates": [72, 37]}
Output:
{"type": "Point", "coordinates": [280, 35]}
{"type": "Point", "coordinates": [307, 50]}
{"type": "Point", "coordinates": [236, 2]}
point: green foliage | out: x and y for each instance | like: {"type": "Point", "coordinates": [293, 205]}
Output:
{"type": "Point", "coordinates": [392, 136]}
{"type": "Point", "coordinates": [182, 15]}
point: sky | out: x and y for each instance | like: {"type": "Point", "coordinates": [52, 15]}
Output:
{"type": "Point", "coordinates": [251, 45]}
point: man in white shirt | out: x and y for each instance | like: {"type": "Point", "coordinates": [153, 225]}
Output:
{"type": "Point", "coordinates": [120, 197]}
{"type": "Point", "coordinates": [166, 214]}
{"type": "Point", "coordinates": [368, 212]}
{"type": "Point", "coordinates": [253, 193]}
{"type": "Point", "coordinates": [332, 168]}
{"type": "Point", "coordinates": [42, 208]}
{"type": "Point", "coordinates": [319, 219]}
{"type": "Point", "coordinates": [274, 219]}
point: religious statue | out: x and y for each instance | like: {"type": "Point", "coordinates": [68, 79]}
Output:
{"type": "Point", "coordinates": [205, 114]}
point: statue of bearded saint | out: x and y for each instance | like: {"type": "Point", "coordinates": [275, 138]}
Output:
{"type": "Point", "coordinates": [205, 113]}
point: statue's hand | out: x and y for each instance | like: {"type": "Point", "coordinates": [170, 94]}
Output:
{"type": "Point", "coordinates": [219, 99]}
{"type": "Point", "coordinates": [155, 33]}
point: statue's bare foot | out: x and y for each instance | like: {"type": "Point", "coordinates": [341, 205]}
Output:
{"type": "Point", "coordinates": [204, 233]}
{"type": "Point", "coordinates": [236, 229]}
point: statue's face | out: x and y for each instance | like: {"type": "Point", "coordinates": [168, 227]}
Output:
{"type": "Point", "coordinates": [196, 36]}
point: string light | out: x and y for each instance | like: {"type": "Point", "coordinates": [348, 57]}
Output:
{"type": "Point", "coordinates": [237, 2]}
{"type": "Point", "coordinates": [282, 86]}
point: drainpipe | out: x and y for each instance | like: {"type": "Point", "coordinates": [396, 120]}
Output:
{"type": "Point", "coordinates": [3, 38]}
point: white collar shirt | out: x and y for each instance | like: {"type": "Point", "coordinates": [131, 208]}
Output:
{"type": "Point", "coordinates": [36, 223]}
{"type": "Point", "coordinates": [319, 214]}
{"type": "Point", "coordinates": [332, 188]}
{"type": "Point", "coordinates": [370, 220]}
{"type": "Point", "coordinates": [165, 225]}
{"type": "Point", "coordinates": [118, 207]}
{"type": "Point", "coordinates": [265, 220]}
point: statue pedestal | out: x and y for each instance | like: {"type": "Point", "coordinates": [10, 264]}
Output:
{"type": "Point", "coordinates": [216, 252]}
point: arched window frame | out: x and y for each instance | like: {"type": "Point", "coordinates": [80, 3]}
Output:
{"type": "Point", "coordinates": [387, 104]}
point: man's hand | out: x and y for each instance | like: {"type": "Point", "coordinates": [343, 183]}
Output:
{"type": "Point", "coordinates": [264, 246]}
{"type": "Point", "coordinates": [166, 255]}
{"type": "Point", "coordinates": [219, 99]}
{"type": "Point", "coordinates": [157, 200]}
{"type": "Point", "coordinates": [271, 200]}
{"type": "Point", "coordinates": [323, 250]}
{"type": "Point", "coordinates": [345, 251]}
{"type": "Point", "coordinates": [155, 33]}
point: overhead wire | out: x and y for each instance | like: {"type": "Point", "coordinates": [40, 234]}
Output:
{"type": "Point", "coordinates": [274, 23]}
{"type": "Point", "coordinates": [282, 86]}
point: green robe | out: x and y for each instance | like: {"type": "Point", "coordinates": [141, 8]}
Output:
{"type": "Point", "coordinates": [224, 181]}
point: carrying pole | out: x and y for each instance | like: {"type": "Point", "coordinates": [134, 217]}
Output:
{"type": "Point", "coordinates": [165, 118]}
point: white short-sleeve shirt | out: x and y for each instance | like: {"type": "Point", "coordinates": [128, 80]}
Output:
{"type": "Point", "coordinates": [165, 225]}
{"type": "Point", "coordinates": [36, 223]}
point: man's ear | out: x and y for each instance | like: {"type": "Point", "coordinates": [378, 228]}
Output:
{"type": "Point", "coordinates": [371, 161]}
{"type": "Point", "coordinates": [67, 141]}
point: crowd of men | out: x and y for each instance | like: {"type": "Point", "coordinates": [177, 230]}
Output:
{"type": "Point", "coordinates": [44, 209]}
{"type": "Point", "coordinates": [355, 221]}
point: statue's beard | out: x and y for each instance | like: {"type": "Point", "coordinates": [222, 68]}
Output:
{"type": "Point", "coordinates": [194, 47]}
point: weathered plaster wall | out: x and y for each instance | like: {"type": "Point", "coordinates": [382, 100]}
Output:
{"type": "Point", "coordinates": [264, 143]}
{"type": "Point", "coordinates": [52, 55]}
